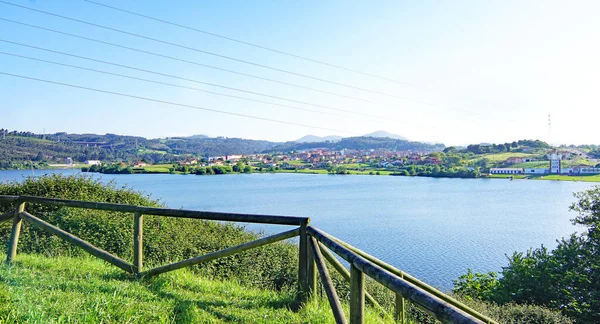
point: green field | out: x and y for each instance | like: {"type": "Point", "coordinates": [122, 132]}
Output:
{"type": "Point", "coordinates": [533, 165]}
{"type": "Point", "coordinates": [590, 178]}
{"type": "Point", "coordinates": [356, 165]}
{"type": "Point", "coordinates": [499, 157]}
{"type": "Point", "coordinates": [158, 168]}
{"type": "Point", "coordinates": [296, 162]}
{"type": "Point", "coordinates": [40, 289]}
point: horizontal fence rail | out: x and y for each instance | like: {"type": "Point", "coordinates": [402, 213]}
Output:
{"type": "Point", "coordinates": [314, 250]}
{"type": "Point", "coordinates": [181, 213]}
{"type": "Point", "coordinates": [437, 307]}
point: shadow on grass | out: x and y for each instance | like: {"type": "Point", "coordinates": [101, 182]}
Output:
{"type": "Point", "coordinates": [213, 303]}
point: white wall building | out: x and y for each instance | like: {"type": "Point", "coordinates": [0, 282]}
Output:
{"type": "Point", "coordinates": [537, 171]}
{"type": "Point", "coordinates": [506, 171]}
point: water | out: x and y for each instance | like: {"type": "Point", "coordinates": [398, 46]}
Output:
{"type": "Point", "coordinates": [435, 229]}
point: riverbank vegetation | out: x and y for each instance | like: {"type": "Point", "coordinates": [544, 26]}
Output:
{"type": "Point", "coordinates": [566, 278]}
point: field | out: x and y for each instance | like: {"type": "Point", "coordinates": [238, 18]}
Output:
{"type": "Point", "coordinates": [533, 165]}
{"type": "Point", "coordinates": [158, 168]}
{"type": "Point", "coordinates": [499, 157]}
{"type": "Point", "coordinates": [39, 289]}
{"type": "Point", "coordinates": [590, 178]}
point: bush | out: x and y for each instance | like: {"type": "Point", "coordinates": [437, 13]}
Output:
{"type": "Point", "coordinates": [518, 313]}
{"type": "Point", "coordinates": [565, 279]}
{"type": "Point", "coordinates": [165, 239]}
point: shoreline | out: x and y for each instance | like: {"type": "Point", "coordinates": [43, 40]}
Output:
{"type": "Point", "coordinates": [585, 178]}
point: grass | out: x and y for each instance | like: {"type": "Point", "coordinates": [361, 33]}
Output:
{"type": "Point", "coordinates": [158, 168]}
{"type": "Point", "coordinates": [590, 178]}
{"type": "Point", "coordinates": [533, 165]}
{"type": "Point", "coordinates": [506, 176]}
{"type": "Point", "coordinates": [40, 289]}
{"type": "Point", "coordinates": [499, 157]}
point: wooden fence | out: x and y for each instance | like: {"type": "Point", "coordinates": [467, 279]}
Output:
{"type": "Point", "coordinates": [315, 247]}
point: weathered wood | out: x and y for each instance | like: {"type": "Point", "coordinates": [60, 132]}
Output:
{"type": "Point", "coordinates": [180, 213]}
{"type": "Point", "coordinates": [399, 311]}
{"type": "Point", "coordinates": [311, 273]}
{"type": "Point", "coordinates": [104, 255]}
{"type": "Point", "coordinates": [15, 232]}
{"type": "Point", "coordinates": [7, 216]}
{"type": "Point", "coordinates": [444, 311]}
{"type": "Point", "coordinates": [357, 296]}
{"type": "Point", "coordinates": [303, 288]}
{"type": "Point", "coordinates": [223, 253]}
{"type": "Point", "coordinates": [8, 199]}
{"type": "Point", "coordinates": [138, 233]}
{"type": "Point", "coordinates": [337, 265]}
{"type": "Point", "coordinates": [416, 282]}
{"type": "Point", "coordinates": [334, 301]}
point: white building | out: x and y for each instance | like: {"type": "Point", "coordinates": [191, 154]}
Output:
{"type": "Point", "coordinates": [537, 171]}
{"type": "Point", "coordinates": [506, 171]}
{"type": "Point", "coordinates": [93, 162]}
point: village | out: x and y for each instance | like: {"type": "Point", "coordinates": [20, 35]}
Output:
{"type": "Point", "coordinates": [547, 162]}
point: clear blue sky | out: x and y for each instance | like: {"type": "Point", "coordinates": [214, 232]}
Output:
{"type": "Point", "coordinates": [489, 71]}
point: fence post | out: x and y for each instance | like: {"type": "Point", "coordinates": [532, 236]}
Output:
{"type": "Point", "coordinates": [312, 273]}
{"type": "Point", "coordinates": [303, 281]}
{"type": "Point", "coordinates": [138, 234]}
{"type": "Point", "coordinates": [14, 234]}
{"type": "Point", "coordinates": [399, 309]}
{"type": "Point", "coordinates": [357, 295]}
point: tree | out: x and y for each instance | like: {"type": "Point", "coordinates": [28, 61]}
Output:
{"type": "Point", "coordinates": [566, 278]}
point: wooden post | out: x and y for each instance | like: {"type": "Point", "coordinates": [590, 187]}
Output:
{"type": "Point", "coordinates": [303, 288]}
{"type": "Point", "coordinates": [138, 231]}
{"type": "Point", "coordinates": [312, 273]}
{"type": "Point", "coordinates": [357, 295]}
{"type": "Point", "coordinates": [14, 234]}
{"type": "Point", "coordinates": [399, 311]}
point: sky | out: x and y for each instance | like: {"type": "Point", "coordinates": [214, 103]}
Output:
{"type": "Point", "coordinates": [455, 72]}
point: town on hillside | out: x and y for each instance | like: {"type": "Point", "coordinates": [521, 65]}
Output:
{"type": "Point", "coordinates": [451, 162]}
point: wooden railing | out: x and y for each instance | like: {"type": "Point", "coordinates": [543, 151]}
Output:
{"type": "Point", "coordinates": [314, 249]}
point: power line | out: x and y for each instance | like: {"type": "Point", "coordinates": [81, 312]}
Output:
{"type": "Point", "coordinates": [168, 84]}
{"type": "Point", "coordinates": [176, 104]}
{"type": "Point", "coordinates": [190, 80]}
{"type": "Point", "coordinates": [215, 54]}
{"type": "Point", "coordinates": [184, 61]}
{"type": "Point", "coordinates": [252, 44]}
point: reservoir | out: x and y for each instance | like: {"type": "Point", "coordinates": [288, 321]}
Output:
{"type": "Point", "coordinates": [432, 228]}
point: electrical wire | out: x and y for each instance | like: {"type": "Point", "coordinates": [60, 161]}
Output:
{"type": "Point", "coordinates": [176, 104]}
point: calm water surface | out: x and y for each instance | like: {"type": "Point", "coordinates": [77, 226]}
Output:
{"type": "Point", "coordinates": [432, 228]}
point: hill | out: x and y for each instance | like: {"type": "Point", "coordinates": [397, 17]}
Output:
{"type": "Point", "coordinates": [19, 149]}
{"type": "Point", "coordinates": [381, 133]}
{"type": "Point", "coordinates": [313, 138]}
{"type": "Point", "coordinates": [360, 143]}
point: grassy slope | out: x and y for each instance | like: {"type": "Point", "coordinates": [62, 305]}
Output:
{"type": "Point", "coordinates": [69, 290]}
{"type": "Point", "coordinates": [499, 157]}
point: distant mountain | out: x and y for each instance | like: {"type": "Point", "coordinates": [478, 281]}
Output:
{"type": "Point", "coordinates": [381, 133]}
{"type": "Point", "coordinates": [313, 139]}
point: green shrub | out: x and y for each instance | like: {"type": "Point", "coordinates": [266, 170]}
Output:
{"type": "Point", "coordinates": [518, 313]}
{"type": "Point", "coordinates": [166, 239]}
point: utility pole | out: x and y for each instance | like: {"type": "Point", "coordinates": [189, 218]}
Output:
{"type": "Point", "coordinates": [549, 130]}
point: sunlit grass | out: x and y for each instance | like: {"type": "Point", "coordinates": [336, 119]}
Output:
{"type": "Point", "coordinates": [38, 289]}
